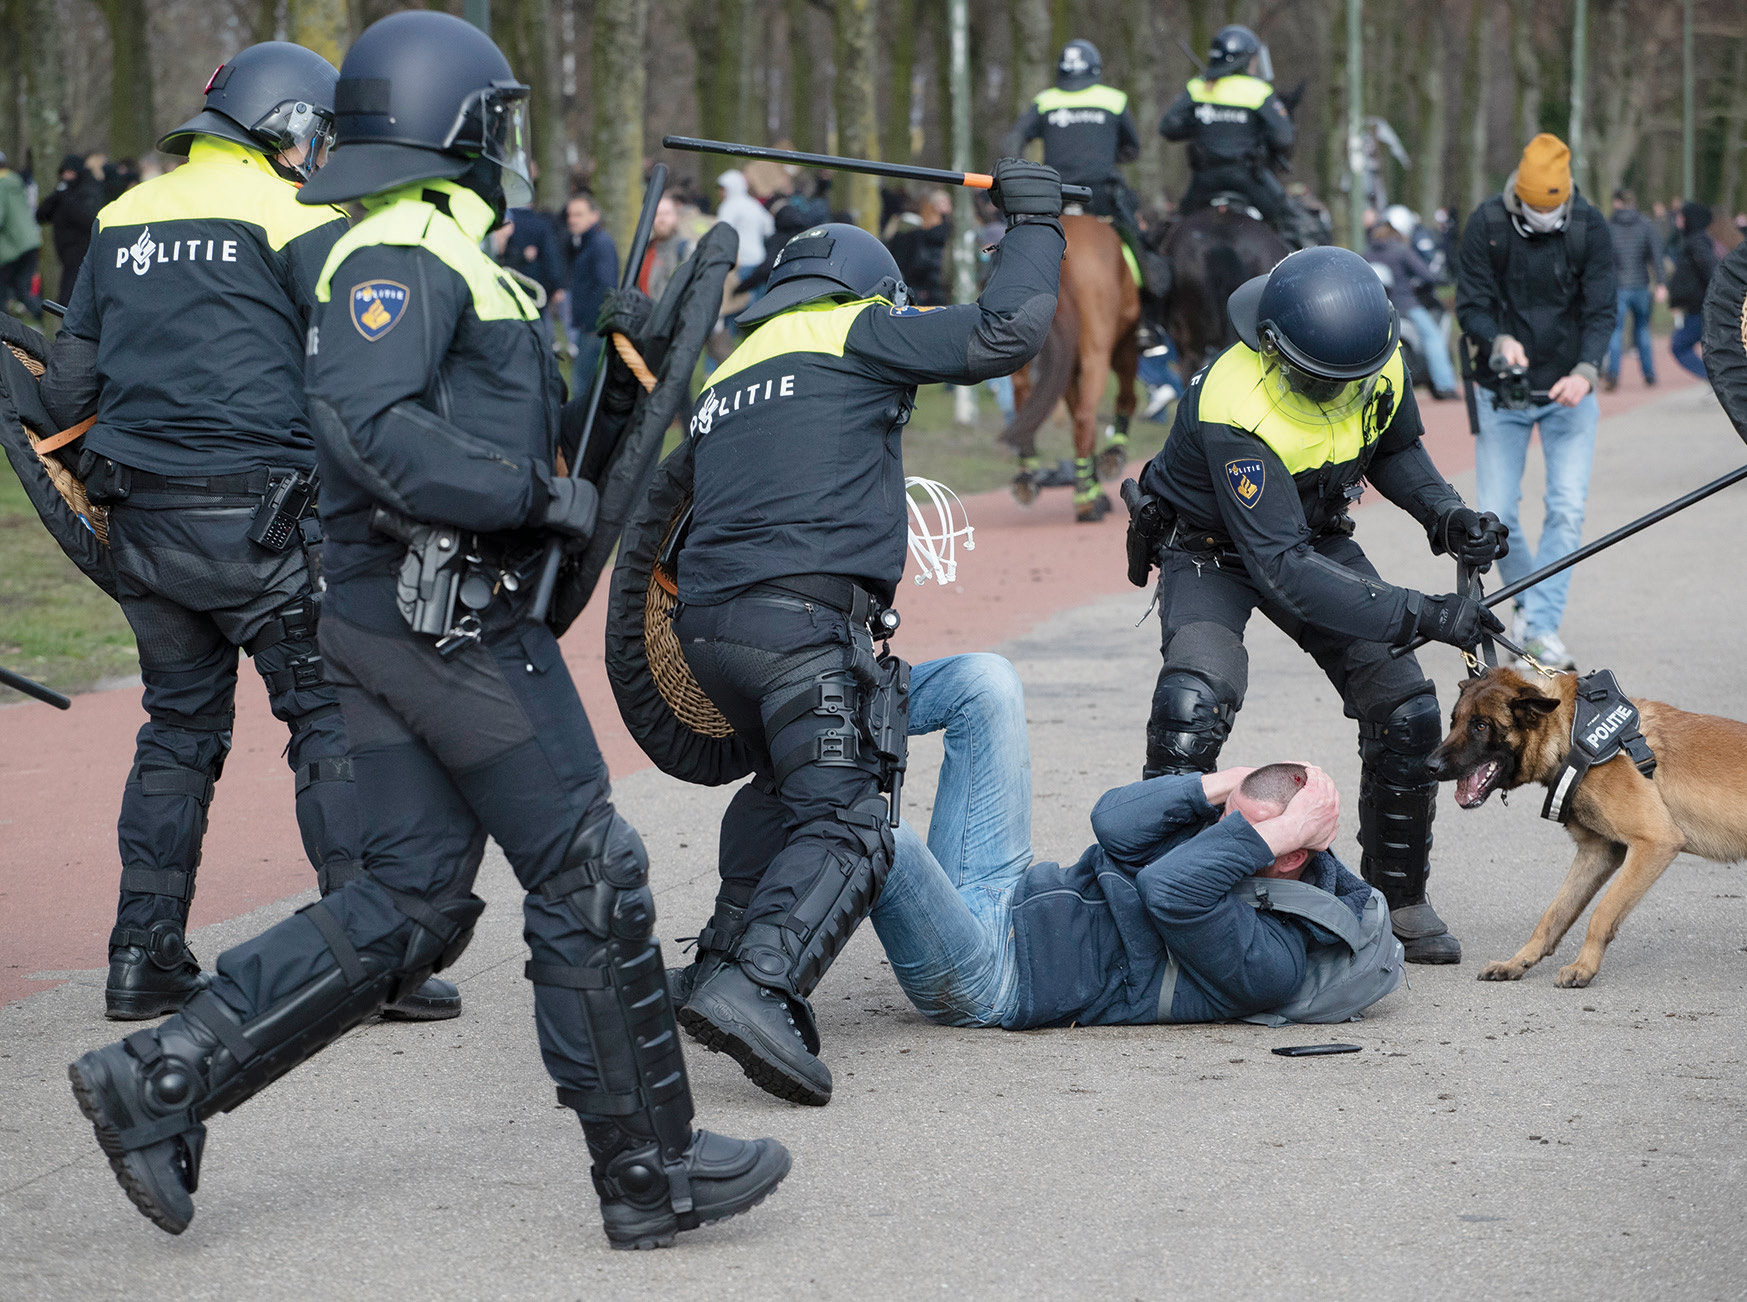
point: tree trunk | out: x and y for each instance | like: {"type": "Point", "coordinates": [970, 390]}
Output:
{"type": "Point", "coordinates": [525, 30]}
{"type": "Point", "coordinates": [324, 26]}
{"type": "Point", "coordinates": [619, 30]}
{"type": "Point", "coordinates": [902, 79]}
{"type": "Point", "coordinates": [1434, 119]}
{"type": "Point", "coordinates": [45, 86]}
{"type": "Point", "coordinates": [1031, 52]}
{"type": "Point", "coordinates": [1526, 17]}
{"type": "Point", "coordinates": [717, 28]}
{"type": "Point", "coordinates": [857, 106]}
{"type": "Point", "coordinates": [1201, 28]}
{"type": "Point", "coordinates": [264, 21]}
{"type": "Point", "coordinates": [1061, 27]}
{"type": "Point", "coordinates": [1143, 96]}
{"type": "Point", "coordinates": [1475, 101]}
{"type": "Point", "coordinates": [1631, 54]}
{"type": "Point", "coordinates": [132, 126]}
{"type": "Point", "coordinates": [1735, 132]}
{"type": "Point", "coordinates": [802, 106]}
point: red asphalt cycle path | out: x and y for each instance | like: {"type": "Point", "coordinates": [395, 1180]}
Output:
{"type": "Point", "coordinates": [61, 774]}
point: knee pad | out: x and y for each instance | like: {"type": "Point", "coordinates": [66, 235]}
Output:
{"type": "Point", "coordinates": [605, 860]}
{"type": "Point", "coordinates": [1395, 748]}
{"type": "Point", "coordinates": [440, 934]}
{"type": "Point", "coordinates": [1188, 727]}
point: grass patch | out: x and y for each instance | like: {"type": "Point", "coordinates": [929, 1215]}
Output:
{"type": "Point", "coordinates": [56, 626]}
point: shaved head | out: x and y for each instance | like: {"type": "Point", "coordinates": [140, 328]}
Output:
{"type": "Point", "coordinates": [1273, 785]}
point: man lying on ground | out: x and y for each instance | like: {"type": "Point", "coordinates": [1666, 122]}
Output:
{"type": "Point", "coordinates": [1205, 897]}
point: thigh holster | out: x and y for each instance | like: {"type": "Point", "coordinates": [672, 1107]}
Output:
{"type": "Point", "coordinates": [620, 985]}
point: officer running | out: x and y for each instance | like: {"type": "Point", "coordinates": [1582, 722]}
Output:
{"type": "Point", "coordinates": [1254, 485]}
{"type": "Point", "coordinates": [436, 406]}
{"type": "Point", "coordinates": [1239, 133]}
{"type": "Point", "coordinates": [185, 338]}
{"type": "Point", "coordinates": [795, 549]}
{"type": "Point", "coordinates": [1087, 129]}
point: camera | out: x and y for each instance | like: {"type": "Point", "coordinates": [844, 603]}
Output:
{"type": "Point", "coordinates": [1514, 393]}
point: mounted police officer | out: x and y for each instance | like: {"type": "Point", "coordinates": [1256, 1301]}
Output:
{"type": "Point", "coordinates": [1239, 133]}
{"type": "Point", "coordinates": [1087, 129]}
{"type": "Point", "coordinates": [796, 546]}
{"type": "Point", "coordinates": [1253, 488]}
{"type": "Point", "coordinates": [437, 416]}
{"type": "Point", "coordinates": [185, 337]}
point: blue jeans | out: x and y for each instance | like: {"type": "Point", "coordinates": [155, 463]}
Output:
{"type": "Point", "coordinates": [1434, 348]}
{"type": "Point", "coordinates": [945, 913]}
{"type": "Point", "coordinates": [1568, 445]}
{"type": "Point", "coordinates": [1685, 338]}
{"type": "Point", "coordinates": [1637, 302]}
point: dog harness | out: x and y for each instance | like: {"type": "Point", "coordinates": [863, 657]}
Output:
{"type": "Point", "coordinates": [1603, 724]}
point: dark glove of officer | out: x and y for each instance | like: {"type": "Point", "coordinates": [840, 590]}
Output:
{"type": "Point", "coordinates": [1472, 537]}
{"type": "Point", "coordinates": [1025, 189]}
{"type": "Point", "coordinates": [571, 511]}
{"type": "Point", "coordinates": [625, 312]}
{"type": "Point", "coordinates": [1455, 619]}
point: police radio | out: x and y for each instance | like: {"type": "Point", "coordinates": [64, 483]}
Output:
{"type": "Point", "coordinates": [289, 499]}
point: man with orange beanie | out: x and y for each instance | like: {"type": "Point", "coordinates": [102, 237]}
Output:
{"type": "Point", "coordinates": [1535, 298]}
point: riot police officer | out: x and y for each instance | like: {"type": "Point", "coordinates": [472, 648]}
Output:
{"type": "Point", "coordinates": [1237, 129]}
{"type": "Point", "coordinates": [437, 416]}
{"type": "Point", "coordinates": [1253, 486]}
{"type": "Point", "coordinates": [185, 336]}
{"type": "Point", "coordinates": [795, 548]}
{"type": "Point", "coordinates": [1087, 129]}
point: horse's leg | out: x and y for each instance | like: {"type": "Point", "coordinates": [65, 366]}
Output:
{"type": "Point", "coordinates": [1090, 504]}
{"type": "Point", "coordinates": [1024, 442]}
{"type": "Point", "coordinates": [1125, 361]}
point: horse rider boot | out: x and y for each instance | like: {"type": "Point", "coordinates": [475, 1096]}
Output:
{"type": "Point", "coordinates": [483, 737]}
{"type": "Point", "coordinates": [207, 334]}
{"type": "Point", "coordinates": [1238, 131]}
{"type": "Point", "coordinates": [796, 545]}
{"type": "Point", "coordinates": [1256, 479]}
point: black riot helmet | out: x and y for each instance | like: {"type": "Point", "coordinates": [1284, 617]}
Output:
{"type": "Point", "coordinates": [275, 97]}
{"type": "Point", "coordinates": [1079, 67]}
{"type": "Point", "coordinates": [1324, 326]}
{"type": "Point", "coordinates": [424, 95]}
{"type": "Point", "coordinates": [1233, 48]}
{"type": "Point", "coordinates": [833, 261]}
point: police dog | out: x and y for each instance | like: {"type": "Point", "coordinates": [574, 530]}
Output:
{"type": "Point", "coordinates": [1507, 731]}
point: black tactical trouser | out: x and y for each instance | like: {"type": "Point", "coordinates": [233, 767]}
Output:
{"type": "Point", "coordinates": [492, 741]}
{"type": "Point", "coordinates": [804, 845]}
{"type": "Point", "coordinates": [1205, 600]}
{"type": "Point", "coordinates": [1261, 187]}
{"type": "Point", "coordinates": [195, 590]}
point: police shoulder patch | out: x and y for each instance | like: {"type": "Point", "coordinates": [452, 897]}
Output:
{"type": "Point", "coordinates": [1245, 475]}
{"type": "Point", "coordinates": [377, 306]}
{"type": "Point", "coordinates": [912, 309]}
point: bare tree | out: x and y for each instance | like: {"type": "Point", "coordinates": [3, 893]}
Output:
{"type": "Point", "coordinates": [1144, 95]}
{"type": "Point", "coordinates": [1031, 52]}
{"type": "Point", "coordinates": [132, 130]}
{"type": "Point", "coordinates": [1526, 19]}
{"type": "Point", "coordinates": [1434, 111]}
{"type": "Point", "coordinates": [896, 137]}
{"type": "Point", "coordinates": [620, 27]}
{"type": "Point", "coordinates": [44, 78]}
{"type": "Point", "coordinates": [1476, 83]}
{"type": "Point", "coordinates": [525, 29]}
{"type": "Point", "coordinates": [803, 105]}
{"type": "Point", "coordinates": [1635, 43]}
{"type": "Point", "coordinates": [324, 26]}
{"type": "Point", "coordinates": [857, 104]}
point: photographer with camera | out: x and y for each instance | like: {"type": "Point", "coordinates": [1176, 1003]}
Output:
{"type": "Point", "coordinates": [1535, 300]}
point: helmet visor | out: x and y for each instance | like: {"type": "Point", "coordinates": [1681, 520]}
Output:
{"type": "Point", "coordinates": [1264, 65]}
{"type": "Point", "coordinates": [1314, 399]}
{"type": "Point", "coordinates": [300, 132]}
{"type": "Point", "coordinates": [494, 122]}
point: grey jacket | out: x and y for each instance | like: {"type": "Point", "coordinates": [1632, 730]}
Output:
{"type": "Point", "coordinates": [1633, 235]}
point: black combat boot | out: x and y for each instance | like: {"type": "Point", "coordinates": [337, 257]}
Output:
{"type": "Point", "coordinates": [646, 1202]}
{"type": "Point", "coordinates": [769, 1033]}
{"type": "Point", "coordinates": [436, 1000]}
{"type": "Point", "coordinates": [151, 972]}
{"type": "Point", "coordinates": [715, 942]}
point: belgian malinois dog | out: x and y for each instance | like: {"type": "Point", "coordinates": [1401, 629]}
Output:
{"type": "Point", "coordinates": [1508, 730]}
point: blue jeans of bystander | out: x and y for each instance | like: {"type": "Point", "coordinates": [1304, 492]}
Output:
{"type": "Point", "coordinates": [1637, 302]}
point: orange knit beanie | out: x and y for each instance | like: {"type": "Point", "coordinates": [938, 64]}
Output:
{"type": "Point", "coordinates": [1543, 178]}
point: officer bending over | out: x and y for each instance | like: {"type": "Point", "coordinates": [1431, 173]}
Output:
{"type": "Point", "coordinates": [437, 413]}
{"type": "Point", "coordinates": [796, 546]}
{"type": "Point", "coordinates": [185, 338]}
{"type": "Point", "coordinates": [1253, 486]}
{"type": "Point", "coordinates": [1178, 912]}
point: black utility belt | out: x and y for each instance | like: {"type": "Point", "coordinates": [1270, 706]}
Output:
{"type": "Point", "coordinates": [845, 596]}
{"type": "Point", "coordinates": [449, 578]}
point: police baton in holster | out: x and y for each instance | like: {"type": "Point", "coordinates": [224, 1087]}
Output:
{"type": "Point", "coordinates": [19, 683]}
{"type": "Point", "coordinates": [652, 193]}
{"type": "Point", "coordinates": [1584, 552]}
{"type": "Point", "coordinates": [867, 166]}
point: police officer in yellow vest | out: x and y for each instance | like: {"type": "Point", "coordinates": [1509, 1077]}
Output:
{"type": "Point", "coordinates": [1254, 485]}
{"type": "Point", "coordinates": [436, 407]}
{"type": "Point", "coordinates": [1238, 131]}
{"type": "Point", "coordinates": [184, 338]}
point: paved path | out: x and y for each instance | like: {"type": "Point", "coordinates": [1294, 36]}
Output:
{"type": "Point", "coordinates": [1490, 1141]}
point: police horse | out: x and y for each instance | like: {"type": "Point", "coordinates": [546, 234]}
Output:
{"type": "Point", "coordinates": [1212, 252]}
{"type": "Point", "coordinates": [1096, 329]}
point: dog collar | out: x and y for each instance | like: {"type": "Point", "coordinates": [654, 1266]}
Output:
{"type": "Point", "coordinates": [1603, 723]}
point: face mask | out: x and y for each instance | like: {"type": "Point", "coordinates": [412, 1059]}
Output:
{"type": "Point", "coordinates": [1545, 223]}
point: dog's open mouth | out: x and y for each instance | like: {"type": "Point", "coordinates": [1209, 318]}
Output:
{"type": "Point", "coordinates": [1471, 791]}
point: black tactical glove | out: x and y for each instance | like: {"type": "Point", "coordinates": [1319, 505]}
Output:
{"type": "Point", "coordinates": [625, 312]}
{"type": "Point", "coordinates": [1450, 618]}
{"type": "Point", "coordinates": [1024, 189]}
{"type": "Point", "coordinates": [571, 511]}
{"type": "Point", "coordinates": [1472, 537]}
